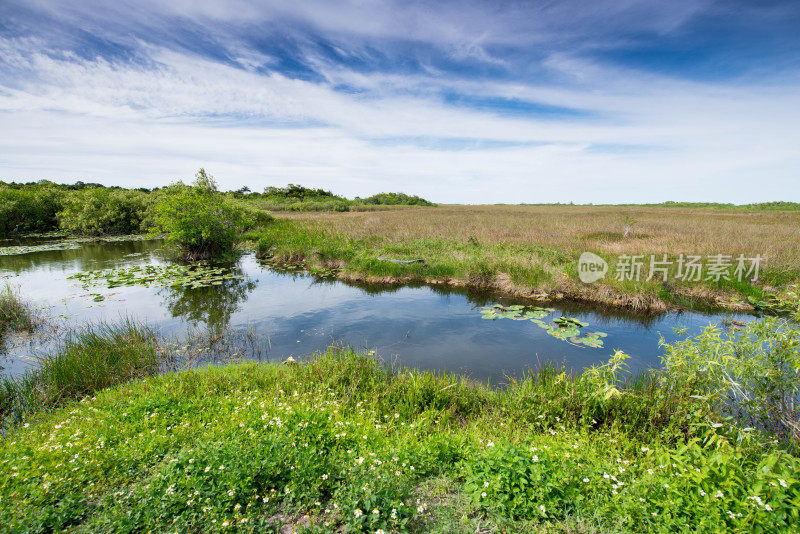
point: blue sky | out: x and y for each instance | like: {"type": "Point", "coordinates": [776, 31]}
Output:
{"type": "Point", "coordinates": [476, 102]}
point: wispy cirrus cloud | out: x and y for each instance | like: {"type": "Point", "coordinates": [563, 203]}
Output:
{"type": "Point", "coordinates": [472, 103]}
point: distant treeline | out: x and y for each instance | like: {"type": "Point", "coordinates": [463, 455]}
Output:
{"type": "Point", "coordinates": [298, 198]}
{"type": "Point", "coordinates": [94, 209]}
{"type": "Point", "coordinates": [761, 206]}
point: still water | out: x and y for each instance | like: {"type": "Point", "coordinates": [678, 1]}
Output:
{"type": "Point", "coordinates": [294, 315]}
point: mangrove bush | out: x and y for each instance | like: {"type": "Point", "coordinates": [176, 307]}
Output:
{"type": "Point", "coordinates": [198, 218]}
{"type": "Point", "coordinates": [29, 209]}
{"type": "Point", "coordinates": [101, 211]}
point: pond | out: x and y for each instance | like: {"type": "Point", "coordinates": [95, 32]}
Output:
{"type": "Point", "coordinates": [290, 314]}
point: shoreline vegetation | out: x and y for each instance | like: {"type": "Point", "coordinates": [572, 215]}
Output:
{"type": "Point", "coordinates": [88, 360]}
{"type": "Point", "coordinates": [91, 209]}
{"type": "Point", "coordinates": [341, 442]}
{"type": "Point", "coordinates": [521, 251]}
{"type": "Point", "coordinates": [532, 253]}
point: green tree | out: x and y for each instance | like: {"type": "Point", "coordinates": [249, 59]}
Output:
{"type": "Point", "coordinates": [397, 199]}
{"type": "Point", "coordinates": [31, 208]}
{"type": "Point", "coordinates": [198, 218]}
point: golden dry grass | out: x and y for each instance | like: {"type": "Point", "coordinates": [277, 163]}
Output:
{"type": "Point", "coordinates": [657, 230]}
{"type": "Point", "coordinates": [532, 251]}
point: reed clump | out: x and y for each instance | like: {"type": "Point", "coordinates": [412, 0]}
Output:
{"type": "Point", "coordinates": [91, 359]}
{"type": "Point", "coordinates": [15, 314]}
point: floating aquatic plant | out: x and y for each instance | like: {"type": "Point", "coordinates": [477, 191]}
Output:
{"type": "Point", "coordinates": [66, 244]}
{"type": "Point", "coordinates": [301, 268]}
{"type": "Point", "coordinates": [772, 304]}
{"type": "Point", "coordinates": [515, 312]}
{"type": "Point", "coordinates": [172, 275]}
{"type": "Point", "coordinates": [46, 247]}
{"type": "Point", "coordinates": [565, 328]}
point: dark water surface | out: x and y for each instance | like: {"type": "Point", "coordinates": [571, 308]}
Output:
{"type": "Point", "coordinates": [421, 327]}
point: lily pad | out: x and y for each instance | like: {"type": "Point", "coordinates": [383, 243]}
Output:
{"type": "Point", "coordinates": [68, 243]}
{"type": "Point", "coordinates": [564, 328]}
{"type": "Point", "coordinates": [173, 275]}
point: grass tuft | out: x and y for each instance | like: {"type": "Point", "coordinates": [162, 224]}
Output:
{"type": "Point", "coordinates": [15, 315]}
{"type": "Point", "coordinates": [91, 359]}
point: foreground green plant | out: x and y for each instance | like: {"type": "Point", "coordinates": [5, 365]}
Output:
{"type": "Point", "coordinates": [341, 443]}
{"type": "Point", "coordinates": [703, 485]}
{"type": "Point", "coordinates": [752, 375]}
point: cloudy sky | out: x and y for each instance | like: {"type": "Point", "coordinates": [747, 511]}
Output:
{"type": "Point", "coordinates": [476, 102]}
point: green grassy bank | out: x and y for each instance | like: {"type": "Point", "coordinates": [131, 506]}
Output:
{"type": "Point", "coordinates": [514, 269]}
{"type": "Point", "coordinates": [342, 443]}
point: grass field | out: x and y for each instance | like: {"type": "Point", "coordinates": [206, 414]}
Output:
{"type": "Point", "coordinates": [533, 250]}
{"type": "Point", "coordinates": [342, 443]}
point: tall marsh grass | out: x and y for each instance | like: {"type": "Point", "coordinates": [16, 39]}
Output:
{"type": "Point", "coordinates": [658, 230]}
{"type": "Point", "coordinates": [15, 315]}
{"type": "Point", "coordinates": [534, 250]}
{"type": "Point", "coordinates": [97, 357]}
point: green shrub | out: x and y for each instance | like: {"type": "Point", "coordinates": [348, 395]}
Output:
{"type": "Point", "coordinates": [252, 216]}
{"type": "Point", "coordinates": [752, 376]}
{"type": "Point", "coordinates": [298, 192]}
{"type": "Point", "coordinates": [29, 209]}
{"type": "Point", "coordinates": [100, 211]}
{"type": "Point", "coordinates": [393, 199]}
{"type": "Point", "coordinates": [198, 218]}
{"type": "Point", "coordinates": [317, 205]}
{"type": "Point", "coordinates": [298, 198]}
{"type": "Point", "coordinates": [305, 205]}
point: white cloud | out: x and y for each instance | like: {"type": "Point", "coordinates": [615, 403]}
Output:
{"type": "Point", "coordinates": [143, 124]}
{"type": "Point", "coordinates": [442, 22]}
